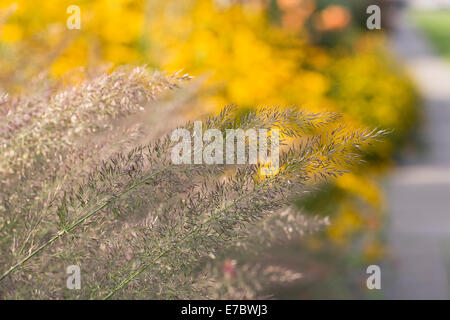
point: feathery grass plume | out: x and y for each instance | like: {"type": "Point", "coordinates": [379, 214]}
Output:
{"type": "Point", "coordinates": [40, 142]}
{"type": "Point", "coordinates": [150, 224]}
{"type": "Point", "coordinates": [241, 271]}
{"type": "Point", "coordinates": [224, 120]}
{"type": "Point", "coordinates": [138, 225]}
{"type": "Point", "coordinates": [231, 280]}
{"type": "Point", "coordinates": [234, 205]}
{"type": "Point", "coordinates": [79, 110]}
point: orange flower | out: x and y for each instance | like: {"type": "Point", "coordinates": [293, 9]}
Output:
{"type": "Point", "coordinates": [286, 5]}
{"type": "Point", "coordinates": [296, 12]}
{"type": "Point", "coordinates": [333, 18]}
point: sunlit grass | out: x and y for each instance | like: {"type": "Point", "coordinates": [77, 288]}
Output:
{"type": "Point", "coordinates": [436, 25]}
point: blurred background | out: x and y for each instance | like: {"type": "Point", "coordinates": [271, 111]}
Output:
{"type": "Point", "coordinates": [316, 54]}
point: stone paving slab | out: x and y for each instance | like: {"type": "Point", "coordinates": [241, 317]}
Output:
{"type": "Point", "coordinates": [418, 194]}
{"type": "Point", "coordinates": [429, 4]}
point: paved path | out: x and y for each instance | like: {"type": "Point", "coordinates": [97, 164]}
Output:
{"type": "Point", "coordinates": [419, 190]}
{"type": "Point", "coordinates": [429, 4]}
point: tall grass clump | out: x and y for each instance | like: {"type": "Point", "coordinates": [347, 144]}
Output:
{"type": "Point", "coordinates": [87, 179]}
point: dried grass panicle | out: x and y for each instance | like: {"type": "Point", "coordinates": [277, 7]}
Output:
{"type": "Point", "coordinates": [39, 127]}
{"type": "Point", "coordinates": [40, 142]}
{"type": "Point", "coordinates": [138, 225]}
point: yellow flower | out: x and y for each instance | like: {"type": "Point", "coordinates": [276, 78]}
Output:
{"type": "Point", "coordinates": [361, 186]}
{"type": "Point", "coordinates": [267, 170]}
{"type": "Point", "coordinates": [10, 33]}
{"type": "Point", "coordinates": [344, 225]}
{"type": "Point", "coordinates": [374, 251]}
